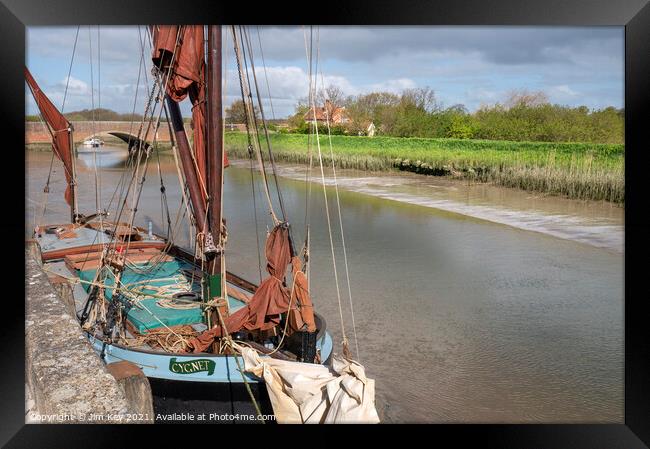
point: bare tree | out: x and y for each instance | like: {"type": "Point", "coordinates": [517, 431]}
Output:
{"type": "Point", "coordinates": [458, 108]}
{"type": "Point", "coordinates": [332, 93]}
{"type": "Point", "coordinates": [236, 112]}
{"type": "Point", "coordinates": [375, 107]}
{"type": "Point", "coordinates": [525, 98]}
{"type": "Point", "coordinates": [421, 97]}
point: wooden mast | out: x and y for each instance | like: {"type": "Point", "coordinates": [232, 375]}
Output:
{"type": "Point", "coordinates": [214, 159]}
{"type": "Point", "coordinates": [184, 152]}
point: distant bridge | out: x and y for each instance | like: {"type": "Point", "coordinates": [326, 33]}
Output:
{"type": "Point", "coordinates": [35, 132]}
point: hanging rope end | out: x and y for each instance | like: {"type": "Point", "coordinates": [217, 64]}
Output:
{"type": "Point", "coordinates": [346, 349]}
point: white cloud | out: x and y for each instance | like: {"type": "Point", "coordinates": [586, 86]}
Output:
{"type": "Point", "coordinates": [470, 65]}
{"type": "Point", "coordinates": [483, 96]}
{"type": "Point", "coordinates": [75, 86]}
{"type": "Point", "coordinates": [562, 91]}
{"type": "Point", "coordinates": [287, 83]}
{"type": "Point", "coordinates": [395, 86]}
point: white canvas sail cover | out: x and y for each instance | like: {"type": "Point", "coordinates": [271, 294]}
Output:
{"type": "Point", "coordinates": [312, 393]}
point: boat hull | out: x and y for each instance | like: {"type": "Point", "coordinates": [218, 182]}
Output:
{"type": "Point", "coordinates": [190, 367]}
{"type": "Point", "coordinates": [217, 403]}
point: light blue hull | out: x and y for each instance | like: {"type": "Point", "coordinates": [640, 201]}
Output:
{"type": "Point", "coordinates": [155, 364]}
{"type": "Point", "coordinates": [169, 366]}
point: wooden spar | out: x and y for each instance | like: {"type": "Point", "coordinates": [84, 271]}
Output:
{"type": "Point", "coordinates": [184, 150]}
{"type": "Point", "coordinates": [215, 129]}
{"type": "Point", "coordinates": [214, 159]}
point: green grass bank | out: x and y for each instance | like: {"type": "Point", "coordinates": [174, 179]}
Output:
{"type": "Point", "coordinates": [576, 170]}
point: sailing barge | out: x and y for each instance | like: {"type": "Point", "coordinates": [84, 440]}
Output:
{"type": "Point", "coordinates": [155, 276]}
{"type": "Point", "coordinates": [180, 315]}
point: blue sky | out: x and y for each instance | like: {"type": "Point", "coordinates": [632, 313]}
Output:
{"type": "Point", "coordinates": [469, 65]}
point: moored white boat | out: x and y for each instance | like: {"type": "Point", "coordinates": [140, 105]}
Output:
{"type": "Point", "coordinates": [93, 142]}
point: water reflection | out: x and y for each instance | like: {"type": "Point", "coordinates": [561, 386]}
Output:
{"type": "Point", "coordinates": [105, 156]}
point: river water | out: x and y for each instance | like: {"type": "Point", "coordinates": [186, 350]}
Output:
{"type": "Point", "coordinates": [472, 303]}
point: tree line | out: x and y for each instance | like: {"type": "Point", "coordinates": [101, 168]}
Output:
{"type": "Point", "coordinates": [97, 114]}
{"type": "Point", "coordinates": [522, 116]}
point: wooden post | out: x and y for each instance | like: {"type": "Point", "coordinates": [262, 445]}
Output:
{"type": "Point", "coordinates": [137, 389]}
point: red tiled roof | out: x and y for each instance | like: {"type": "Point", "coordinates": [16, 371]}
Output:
{"type": "Point", "coordinates": [336, 114]}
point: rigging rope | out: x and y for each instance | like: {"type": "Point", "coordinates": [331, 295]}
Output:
{"type": "Point", "coordinates": [92, 99]}
{"type": "Point", "coordinates": [117, 286]}
{"type": "Point", "coordinates": [99, 107]}
{"type": "Point", "coordinates": [266, 77]}
{"type": "Point", "coordinates": [121, 184]}
{"type": "Point", "coordinates": [112, 244]}
{"type": "Point", "coordinates": [254, 192]}
{"type": "Point", "coordinates": [135, 101]}
{"type": "Point", "coordinates": [327, 212]}
{"type": "Point", "coordinates": [250, 120]}
{"type": "Point", "coordinates": [338, 206]}
{"type": "Point", "coordinates": [265, 128]}
{"type": "Point", "coordinates": [308, 182]}
{"type": "Point", "coordinates": [46, 188]}
{"type": "Point", "coordinates": [159, 87]}
{"type": "Point", "coordinates": [67, 82]}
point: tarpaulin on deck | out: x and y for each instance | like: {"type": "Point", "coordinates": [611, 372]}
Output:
{"type": "Point", "coordinates": [142, 319]}
{"type": "Point", "coordinates": [150, 314]}
{"type": "Point", "coordinates": [312, 394]}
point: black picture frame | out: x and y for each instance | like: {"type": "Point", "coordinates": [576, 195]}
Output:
{"type": "Point", "coordinates": [633, 14]}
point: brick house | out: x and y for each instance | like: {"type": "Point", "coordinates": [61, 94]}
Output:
{"type": "Point", "coordinates": [337, 115]}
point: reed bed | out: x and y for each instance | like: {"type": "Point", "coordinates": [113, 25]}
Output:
{"type": "Point", "coordinates": [576, 170]}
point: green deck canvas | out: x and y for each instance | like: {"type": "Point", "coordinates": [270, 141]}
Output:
{"type": "Point", "coordinates": [150, 315]}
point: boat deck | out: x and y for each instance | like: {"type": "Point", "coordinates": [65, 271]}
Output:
{"type": "Point", "coordinates": [149, 278]}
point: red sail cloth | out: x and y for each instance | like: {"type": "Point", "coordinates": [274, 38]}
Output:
{"type": "Point", "coordinates": [269, 300]}
{"type": "Point", "coordinates": [187, 77]}
{"type": "Point", "coordinates": [59, 127]}
{"type": "Point", "coordinates": [301, 316]}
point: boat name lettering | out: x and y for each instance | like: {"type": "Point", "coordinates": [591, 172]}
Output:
{"type": "Point", "coordinates": [191, 366]}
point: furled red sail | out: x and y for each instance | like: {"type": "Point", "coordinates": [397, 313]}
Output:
{"type": "Point", "coordinates": [301, 318]}
{"type": "Point", "coordinates": [181, 49]}
{"type": "Point", "coordinates": [59, 128]}
{"type": "Point", "coordinates": [270, 299]}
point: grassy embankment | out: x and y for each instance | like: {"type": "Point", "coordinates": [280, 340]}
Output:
{"type": "Point", "coordinates": [576, 170]}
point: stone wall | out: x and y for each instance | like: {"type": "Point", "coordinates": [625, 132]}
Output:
{"type": "Point", "coordinates": [66, 379]}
